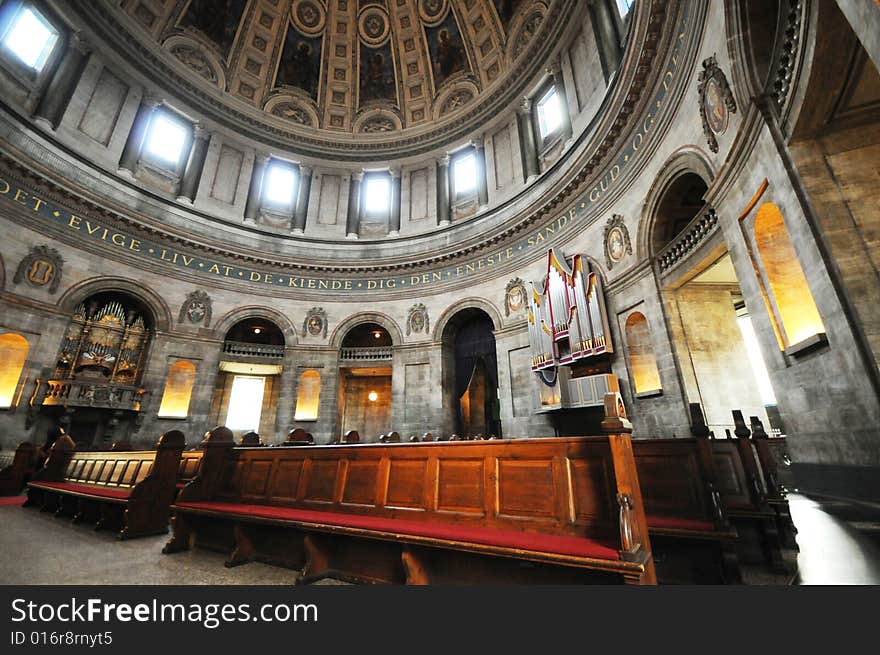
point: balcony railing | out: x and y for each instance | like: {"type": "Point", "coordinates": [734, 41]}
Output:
{"type": "Point", "coordinates": [703, 225]}
{"type": "Point", "coordinates": [366, 354]}
{"type": "Point", "coordinates": [252, 349]}
{"type": "Point", "coordinates": [75, 393]}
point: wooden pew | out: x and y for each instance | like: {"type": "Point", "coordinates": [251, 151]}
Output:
{"type": "Point", "coordinates": [746, 503]}
{"type": "Point", "coordinates": [775, 492]}
{"type": "Point", "coordinates": [692, 539]}
{"type": "Point", "coordinates": [542, 510]}
{"type": "Point", "coordinates": [129, 490]}
{"type": "Point", "coordinates": [16, 466]}
{"type": "Point", "coordinates": [190, 460]}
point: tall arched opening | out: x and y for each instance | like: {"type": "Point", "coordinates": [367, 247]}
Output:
{"type": "Point", "coordinates": [365, 368]}
{"type": "Point", "coordinates": [470, 376]}
{"type": "Point", "coordinates": [247, 388]}
{"type": "Point", "coordinates": [718, 353]}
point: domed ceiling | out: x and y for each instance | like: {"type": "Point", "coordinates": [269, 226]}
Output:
{"type": "Point", "coordinates": [358, 66]}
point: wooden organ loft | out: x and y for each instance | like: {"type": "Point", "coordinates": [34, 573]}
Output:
{"type": "Point", "coordinates": [569, 336]}
{"type": "Point", "coordinates": [94, 390]}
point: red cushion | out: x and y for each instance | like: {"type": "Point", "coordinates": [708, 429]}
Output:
{"type": "Point", "coordinates": [92, 489]}
{"type": "Point", "coordinates": [673, 523]}
{"type": "Point", "coordinates": [577, 546]}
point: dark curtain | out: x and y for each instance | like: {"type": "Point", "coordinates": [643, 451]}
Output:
{"type": "Point", "coordinates": [474, 342]}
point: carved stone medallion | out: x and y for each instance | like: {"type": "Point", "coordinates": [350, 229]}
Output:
{"type": "Point", "coordinates": [417, 320]}
{"type": "Point", "coordinates": [41, 266]}
{"type": "Point", "coordinates": [515, 296]}
{"type": "Point", "coordinates": [315, 323]}
{"type": "Point", "coordinates": [196, 309]}
{"type": "Point", "coordinates": [617, 242]}
{"type": "Point", "coordinates": [716, 101]}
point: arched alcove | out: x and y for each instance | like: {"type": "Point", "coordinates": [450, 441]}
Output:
{"type": "Point", "coordinates": [178, 390]}
{"type": "Point", "coordinates": [642, 360]}
{"type": "Point", "coordinates": [795, 311]}
{"type": "Point", "coordinates": [14, 350]}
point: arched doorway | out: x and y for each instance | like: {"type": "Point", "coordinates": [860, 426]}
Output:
{"type": "Point", "coordinates": [247, 388]}
{"type": "Point", "coordinates": [365, 369]}
{"type": "Point", "coordinates": [718, 352]}
{"type": "Point", "coordinates": [471, 373]}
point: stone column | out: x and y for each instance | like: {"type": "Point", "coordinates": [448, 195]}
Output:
{"type": "Point", "coordinates": [132, 150]}
{"type": "Point", "coordinates": [353, 218]}
{"type": "Point", "coordinates": [302, 199]}
{"type": "Point", "coordinates": [57, 95]}
{"type": "Point", "coordinates": [192, 174]}
{"type": "Point", "coordinates": [607, 37]}
{"type": "Point", "coordinates": [555, 73]}
{"type": "Point", "coordinates": [482, 183]}
{"type": "Point", "coordinates": [527, 146]}
{"type": "Point", "coordinates": [443, 208]}
{"type": "Point", "coordinates": [255, 191]}
{"type": "Point", "coordinates": [286, 397]}
{"type": "Point", "coordinates": [394, 222]}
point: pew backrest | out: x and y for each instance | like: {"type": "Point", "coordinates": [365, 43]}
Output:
{"type": "Point", "coordinates": [563, 486]}
{"type": "Point", "coordinates": [190, 460]}
{"type": "Point", "coordinates": [737, 474]}
{"type": "Point", "coordinates": [678, 479]}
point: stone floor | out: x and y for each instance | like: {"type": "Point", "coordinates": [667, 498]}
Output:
{"type": "Point", "coordinates": [839, 544]}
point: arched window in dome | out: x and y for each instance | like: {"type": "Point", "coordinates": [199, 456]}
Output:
{"type": "Point", "coordinates": [178, 390]}
{"type": "Point", "coordinates": [642, 360]}
{"type": "Point", "coordinates": [307, 396]}
{"type": "Point", "coordinates": [13, 354]}
{"type": "Point", "coordinates": [797, 317]}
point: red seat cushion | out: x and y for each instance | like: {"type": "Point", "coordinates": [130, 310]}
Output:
{"type": "Point", "coordinates": [673, 523]}
{"type": "Point", "coordinates": [562, 545]}
{"type": "Point", "coordinates": [91, 489]}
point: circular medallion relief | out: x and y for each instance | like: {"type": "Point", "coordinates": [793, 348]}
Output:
{"type": "Point", "coordinates": [717, 114]}
{"type": "Point", "coordinates": [432, 11]}
{"type": "Point", "coordinates": [374, 26]}
{"type": "Point", "coordinates": [308, 16]}
{"type": "Point", "coordinates": [616, 245]}
{"type": "Point", "coordinates": [315, 325]}
{"type": "Point", "coordinates": [516, 299]}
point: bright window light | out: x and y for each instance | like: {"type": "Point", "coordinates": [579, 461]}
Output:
{"type": "Point", "coordinates": [166, 138]}
{"type": "Point", "coordinates": [623, 6]}
{"type": "Point", "coordinates": [280, 184]}
{"type": "Point", "coordinates": [757, 362]}
{"type": "Point", "coordinates": [30, 38]}
{"type": "Point", "coordinates": [465, 174]}
{"type": "Point", "coordinates": [245, 403]}
{"type": "Point", "coordinates": [377, 195]}
{"type": "Point", "coordinates": [549, 113]}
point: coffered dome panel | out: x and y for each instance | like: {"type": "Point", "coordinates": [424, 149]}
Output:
{"type": "Point", "coordinates": [323, 64]}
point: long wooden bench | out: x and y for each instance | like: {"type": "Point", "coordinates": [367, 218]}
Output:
{"type": "Point", "coordinates": [128, 490]}
{"type": "Point", "coordinates": [692, 539]}
{"type": "Point", "coordinates": [16, 466]}
{"type": "Point", "coordinates": [543, 510]}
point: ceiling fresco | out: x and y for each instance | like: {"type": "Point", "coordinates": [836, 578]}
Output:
{"type": "Point", "coordinates": [363, 66]}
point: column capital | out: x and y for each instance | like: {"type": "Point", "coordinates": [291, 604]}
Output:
{"type": "Point", "coordinates": [478, 143]}
{"type": "Point", "coordinates": [395, 172]}
{"type": "Point", "coordinates": [357, 176]}
{"type": "Point", "coordinates": [525, 106]}
{"type": "Point", "coordinates": [78, 41]}
{"type": "Point", "coordinates": [201, 133]}
{"type": "Point", "coordinates": [305, 170]}
{"type": "Point", "coordinates": [151, 100]}
{"type": "Point", "coordinates": [443, 161]}
{"type": "Point", "coordinates": [261, 159]}
{"type": "Point", "coordinates": [554, 69]}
